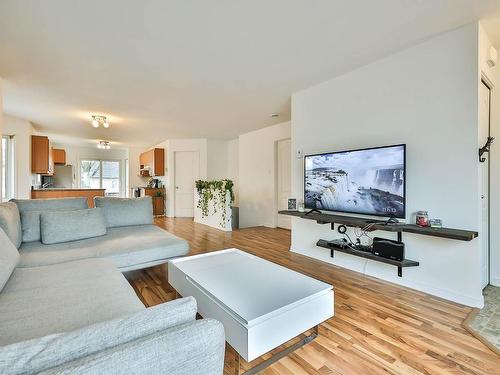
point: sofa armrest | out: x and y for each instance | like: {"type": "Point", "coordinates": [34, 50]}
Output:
{"type": "Point", "coordinates": [195, 348]}
{"type": "Point", "coordinates": [33, 356]}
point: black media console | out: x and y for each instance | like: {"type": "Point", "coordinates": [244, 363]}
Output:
{"type": "Point", "coordinates": [399, 228]}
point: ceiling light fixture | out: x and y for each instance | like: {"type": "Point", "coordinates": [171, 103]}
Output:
{"type": "Point", "coordinates": [100, 120]}
{"type": "Point", "coordinates": [104, 145]}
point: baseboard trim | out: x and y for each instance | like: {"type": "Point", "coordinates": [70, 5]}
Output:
{"type": "Point", "coordinates": [495, 281]}
{"type": "Point", "coordinates": [418, 286]}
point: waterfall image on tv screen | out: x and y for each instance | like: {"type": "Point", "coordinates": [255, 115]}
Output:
{"type": "Point", "coordinates": [370, 181]}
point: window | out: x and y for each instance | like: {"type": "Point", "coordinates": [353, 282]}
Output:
{"type": "Point", "coordinates": [8, 187]}
{"type": "Point", "coordinates": [101, 174]}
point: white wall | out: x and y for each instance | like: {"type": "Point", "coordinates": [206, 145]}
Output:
{"type": "Point", "coordinates": [232, 167]}
{"type": "Point", "coordinates": [22, 131]}
{"type": "Point", "coordinates": [135, 179]}
{"type": "Point", "coordinates": [257, 169]}
{"type": "Point", "coordinates": [487, 71]}
{"type": "Point", "coordinates": [1, 130]}
{"type": "Point", "coordinates": [216, 159]}
{"type": "Point", "coordinates": [427, 97]}
{"type": "Point", "coordinates": [222, 162]}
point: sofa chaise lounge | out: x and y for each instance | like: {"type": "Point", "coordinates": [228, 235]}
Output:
{"type": "Point", "coordinates": [66, 308]}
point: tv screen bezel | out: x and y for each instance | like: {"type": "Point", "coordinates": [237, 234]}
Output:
{"type": "Point", "coordinates": [361, 213]}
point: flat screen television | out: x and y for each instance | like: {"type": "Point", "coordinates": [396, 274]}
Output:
{"type": "Point", "coordinates": [368, 181]}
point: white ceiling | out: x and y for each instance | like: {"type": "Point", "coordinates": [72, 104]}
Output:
{"type": "Point", "coordinates": [195, 68]}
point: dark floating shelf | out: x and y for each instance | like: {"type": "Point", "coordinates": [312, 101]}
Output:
{"type": "Point", "coordinates": [352, 221]}
{"type": "Point", "coordinates": [363, 254]}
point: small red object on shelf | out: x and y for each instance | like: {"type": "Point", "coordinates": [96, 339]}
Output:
{"type": "Point", "coordinates": [422, 219]}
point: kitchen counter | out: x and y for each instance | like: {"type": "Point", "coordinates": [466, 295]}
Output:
{"type": "Point", "coordinates": [68, 193]}
{"type": "Point", "coordinates": [64, 189]}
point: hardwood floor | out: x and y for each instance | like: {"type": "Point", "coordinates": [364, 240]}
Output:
{"type": "Point", "coordinates": [378, 327]}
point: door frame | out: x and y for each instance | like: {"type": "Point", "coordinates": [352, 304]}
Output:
{"type": "Point", "coordinates": [173, 192]}
{"type": "Point", "coordinates": [275, 203]}
{"type": "Point", "coordinates": [488, 84]}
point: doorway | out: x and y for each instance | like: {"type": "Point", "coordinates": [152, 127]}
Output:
{"type": "Point", "coordinates": [187, 171]}
{"type": "Point", "coordinates": [284, 180]}
{"type": "Point", "coordinates": [484, 171]}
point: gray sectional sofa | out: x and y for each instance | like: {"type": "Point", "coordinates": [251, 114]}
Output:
{"type": "Point", "coordinates": [66, 308]}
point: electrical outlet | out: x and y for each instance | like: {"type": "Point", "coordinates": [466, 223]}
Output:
{"type": "Point", "coordinates": [300, 153]}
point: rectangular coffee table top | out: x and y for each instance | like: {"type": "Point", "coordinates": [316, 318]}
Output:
{"type": "Point", "coordinates": [253, 289]}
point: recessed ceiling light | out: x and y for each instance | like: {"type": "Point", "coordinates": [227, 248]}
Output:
{"type": "Point", "coordinates": [275, 115]}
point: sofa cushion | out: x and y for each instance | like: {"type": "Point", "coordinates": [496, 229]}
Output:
{"type": "Point", "coordinates": [9, 256]}
{"type": "Point", "coordinates": [121, 212]}
{"type": "Point", "coordinates": [128, 247]}
{"type": "Point", "coordinates": [10, 222]}
{"type": "Point", "coordinates": [65, 226]}
{"type": "Point", "coordinates": [33, 356]}
{"type": "Point", "coordinates": [30, 225]}
{"type": "Point", "coordinates": [31, 209]}
{"type": "Point", "coordinates": [59, 298]}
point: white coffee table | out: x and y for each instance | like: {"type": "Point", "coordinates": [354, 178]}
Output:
{"type": "Point", "coordinates": [262, 305]}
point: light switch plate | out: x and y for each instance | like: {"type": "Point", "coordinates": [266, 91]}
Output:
{"type": "Point", "coordinates": [300, 153]}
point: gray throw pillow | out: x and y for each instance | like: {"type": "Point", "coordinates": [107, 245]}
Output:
{"type": "Point", "coordinates": [10, 222]}
{"type": "Point", "coordinates": [121, 212]}
{"type": "Point", "coordinates": [9, 256]}
{"type": "Point", "coordinates": [30, 225]}
{"type": "Point", "coordinates": [65, 226]}
{"type": "Point", "coordinates": [30, 210]}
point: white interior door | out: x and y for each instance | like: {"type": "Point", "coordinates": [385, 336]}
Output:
{"type": "Point", "coordinates": [187, 171]}
{"type": "Point", "coordinates": [484, 132]}
{"type": "Point", "coordinates": [284, 181]}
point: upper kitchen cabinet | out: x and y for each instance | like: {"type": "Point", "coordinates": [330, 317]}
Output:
{"type": "Point", "coordinates": [152, 162]}
{"type": "Point", "coordinates": [59, 156]}
{"type": "Point", "coordinates": [42, 161]}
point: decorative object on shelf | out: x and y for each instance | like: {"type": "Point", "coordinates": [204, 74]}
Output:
{"type": "Point", "coordinates": [215, 191]}
{"type": "Point", "coordinates": [436, 223]}
{"type": "Point", "coordinates": [104, 145]}
{"type": "Point", "coordinates": [422, 219]}
{"type": "Point", "coordinates": [485, 148]}
{"type": "Point", "coordinates": [98, 120]}
{"type": "Point", "coordinates": [301, 207]}
{"type": "Point", "coordinates": [292, 204]}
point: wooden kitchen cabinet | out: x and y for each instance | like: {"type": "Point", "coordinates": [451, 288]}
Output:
{"type": "Point", "coordinates": [59, 156]}
{"type": "Point", "coordinates": [152, 162]}
{"type": "Point", "coordinates": [42, 160]}
{"type": "Point", "coordinates": [158, 197]}
{"type": "Point", "coordinates": [68, 193]}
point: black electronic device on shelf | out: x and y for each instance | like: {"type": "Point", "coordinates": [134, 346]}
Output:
{"type": "Point", "coordinates": [389, 249]}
